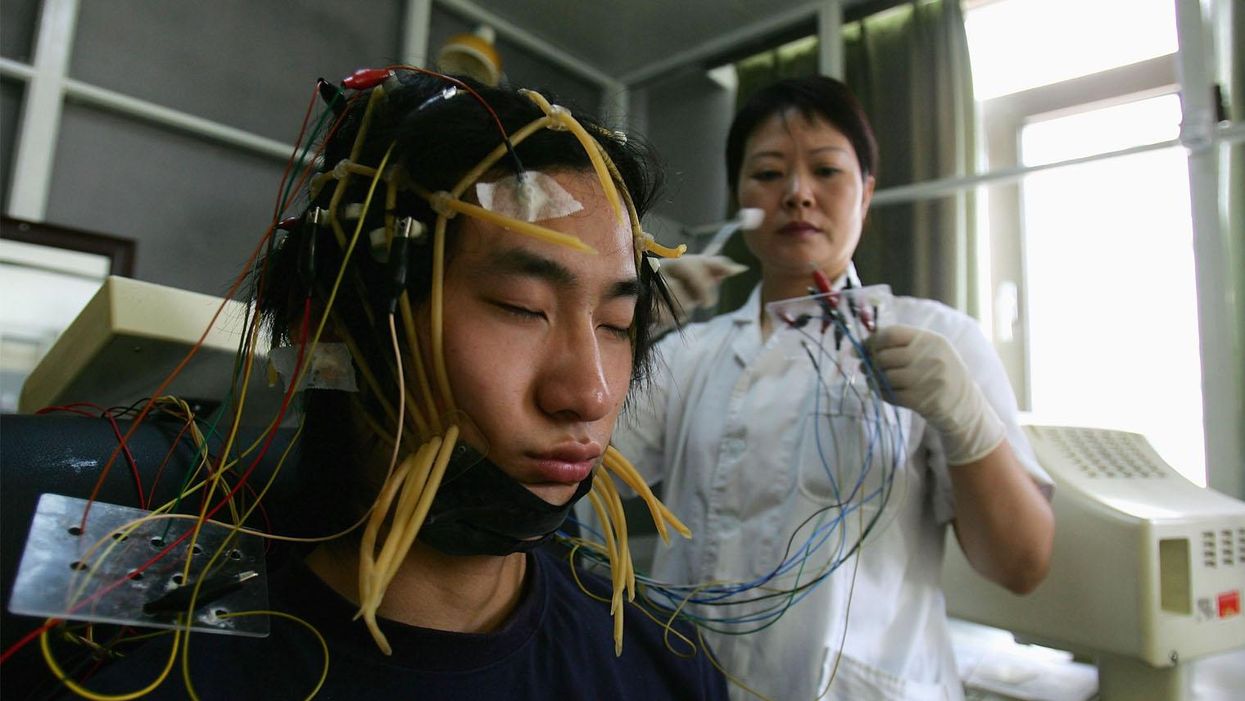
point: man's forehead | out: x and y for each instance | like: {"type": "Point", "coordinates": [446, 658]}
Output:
{"type": "Point", "coordinates": [577, 270]}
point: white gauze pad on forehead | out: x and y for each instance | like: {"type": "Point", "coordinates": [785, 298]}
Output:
{"type": "Point", "coordinates": [537, 197]}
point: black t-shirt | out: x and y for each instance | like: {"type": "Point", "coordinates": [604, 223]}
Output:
{"type": "Point", "coordinates": [558, 644]}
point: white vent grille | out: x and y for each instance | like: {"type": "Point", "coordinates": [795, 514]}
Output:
{"type": "Point", "coordinates": [1223, 548]}
{"type": "Point", "coordinates": [1210, 555]}
{"type": "Point", "coordinates": [1108, 454]}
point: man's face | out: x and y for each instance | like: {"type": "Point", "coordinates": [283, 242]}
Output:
{"type": "Point", "coordinates": [536, 340]}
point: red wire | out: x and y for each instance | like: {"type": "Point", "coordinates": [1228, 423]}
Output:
{"type": "Point", "coordinates": [147, 407]}
{"type": "Point", "coordinates": [478, 98]}
{"type": "Point", "coordinates": [25, 640]}
{"type": "Point", "coordinates": [129, 457]}
{"type": "Point", "coordinates": [105, 414]}
{"type": "Point", "coordinates": [68, 409]}
{"type": "Point", "coordinates": [289, 164]}
{"type": "Point", "coordinates": [167, 456]}
{"type": "Point", "coordinates": [229, 294]}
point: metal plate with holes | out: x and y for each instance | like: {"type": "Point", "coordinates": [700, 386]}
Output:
{"type": "Point", "coordinates": [81, 575]}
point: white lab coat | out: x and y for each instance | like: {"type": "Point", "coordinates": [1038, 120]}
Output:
{"type": "Point", "coordinates": [727, 426]}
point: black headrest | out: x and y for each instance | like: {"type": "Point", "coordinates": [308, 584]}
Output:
{"type": "Point", "coordinates": [65, 454]}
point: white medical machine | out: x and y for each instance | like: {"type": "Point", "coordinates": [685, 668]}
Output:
{"type": "Point", "coordinates": [132, 334]}
{"type": "Point", "coordinates": [1147, 573]}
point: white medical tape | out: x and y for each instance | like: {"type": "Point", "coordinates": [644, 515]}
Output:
{"type": "Point", "coordinates": [534, 198]}
{"type": "Point", "coordinates": [328, 367]}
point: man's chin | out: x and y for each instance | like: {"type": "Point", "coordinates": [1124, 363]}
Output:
{"type": "Point", "coordinates": [554, 493]}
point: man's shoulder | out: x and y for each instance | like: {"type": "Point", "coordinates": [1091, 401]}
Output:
{"type": "Point", "coordinates": [660, 658]}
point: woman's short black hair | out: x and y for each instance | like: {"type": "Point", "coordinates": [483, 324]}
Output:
{"type": "Point", "coordinates": [813, 96]}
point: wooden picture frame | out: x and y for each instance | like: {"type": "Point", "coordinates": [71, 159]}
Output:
{"type": "Point", "coordinates": [118, 250]}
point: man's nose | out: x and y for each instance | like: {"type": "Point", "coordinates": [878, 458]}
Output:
{"type": "Point", "coordinates": [573, 384]}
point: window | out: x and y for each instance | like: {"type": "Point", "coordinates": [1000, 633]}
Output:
{"type": "Point", "coordinates": [1097, 255]}
{"type": "Point", "coordinates": [1108, 265]}
{"type": "Point", "coordinates": [1022, 44]}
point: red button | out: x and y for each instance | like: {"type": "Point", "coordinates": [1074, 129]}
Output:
{"type": "Point", "coordinates": [1230, 604]}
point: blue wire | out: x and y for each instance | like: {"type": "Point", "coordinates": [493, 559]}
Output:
{"type": "Point", "coordinates": [885, 445]}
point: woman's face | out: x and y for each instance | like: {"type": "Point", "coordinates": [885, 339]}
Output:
{"type": "Point", "coordinates": [804, 174]}
{"type": "Point", "coordinates": [536, 340]}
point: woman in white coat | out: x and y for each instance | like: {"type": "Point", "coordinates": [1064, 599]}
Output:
{"type": "Point", "coordinates": [737, 433]}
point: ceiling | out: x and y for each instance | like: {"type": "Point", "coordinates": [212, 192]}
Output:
{"type": "Point", "coordinates": [634, 41]}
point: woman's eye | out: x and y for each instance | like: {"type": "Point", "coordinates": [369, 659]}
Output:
{"type": "Point", "coordinates": [767, 175]}
{"type": "Point", "coordinates": [826, 171]}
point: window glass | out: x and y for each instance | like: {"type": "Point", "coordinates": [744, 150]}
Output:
{"type": "Point", "coordinates": [1101, 130]}
{"type": "Point", "coordinates": [1020, 44]}
{"type": "Point", "coordinates": [1112, 308]}
{"type": "Point", "coordinates": [27, 273]}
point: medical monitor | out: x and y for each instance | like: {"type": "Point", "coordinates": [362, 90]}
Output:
{"type": "Point", "coordinates": [1147, 571]}
{"type": "Point", "coordinates": [131, 335]}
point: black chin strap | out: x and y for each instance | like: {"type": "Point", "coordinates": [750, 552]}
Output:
{"type": "Point", "coordinates": [480, 510]}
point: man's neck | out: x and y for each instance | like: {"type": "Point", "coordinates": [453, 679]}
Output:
{"type": "Point", "coordinates": [432, 590]}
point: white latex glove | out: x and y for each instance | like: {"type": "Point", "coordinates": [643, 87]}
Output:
{"type": "Point", "coordinates": [927, 376]}
{"type": "Point", "coordinates": [694, 282]}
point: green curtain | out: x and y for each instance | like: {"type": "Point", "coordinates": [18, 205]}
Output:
{"type": "Point", "coordinates": [909, 66]}
{"type": "Point", "coordinates": [791, 60]}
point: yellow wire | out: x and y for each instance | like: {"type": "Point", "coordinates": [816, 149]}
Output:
{"type": "Point", "coordinates": [381, 506]}
{"type": "Point", "coordinates": [340, 191]}
{"type": "Point", "coordinates": [416, 520]}
{"type": "Point", "coordinates": [563, 117]}
{"type": "Point", "coordinates": [729, 677]}
{"type": "Point", "coordinates": [617, 463]}
{"type": "Point", "coordinates": [616, 568]}
{"type": "Point", "coordinates": [668, 625]}
{"type": "Point", "coordinates": [341, 273]}
{"type": "Point", "coordinates": [379, 511]}
{"type": "Point", "coordinates": [535, 231]}
{"type": "Point", "coordinates": [368, 377]}
{"type": "Point", "coordinates": [87, 693]}
{"type": "Point", "coordinates": [437, 303]}
{"type": "Point", "coordinates": [408, 499]}
{"type": "Point", "coordinates": [611, 545]}
{"type": "Point", "coordinates": [614, 501]}
{"type": "Point", "coordinates": [495, 155]}
{"type": "Point", "coordinates": [324, 647]}
{"type": "Point", "coordinates": [412, 341]}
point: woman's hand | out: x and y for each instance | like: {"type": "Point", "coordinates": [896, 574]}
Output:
{"type": "Point", "coordinates": [926, 375]}
{"type": "Point", "coordinates": [1003, 522]}
{"type": "Point", "coordinates": [694, 281]}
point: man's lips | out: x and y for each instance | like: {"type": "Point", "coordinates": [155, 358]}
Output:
{"type": "Point", "coordinates": [564, 465]}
